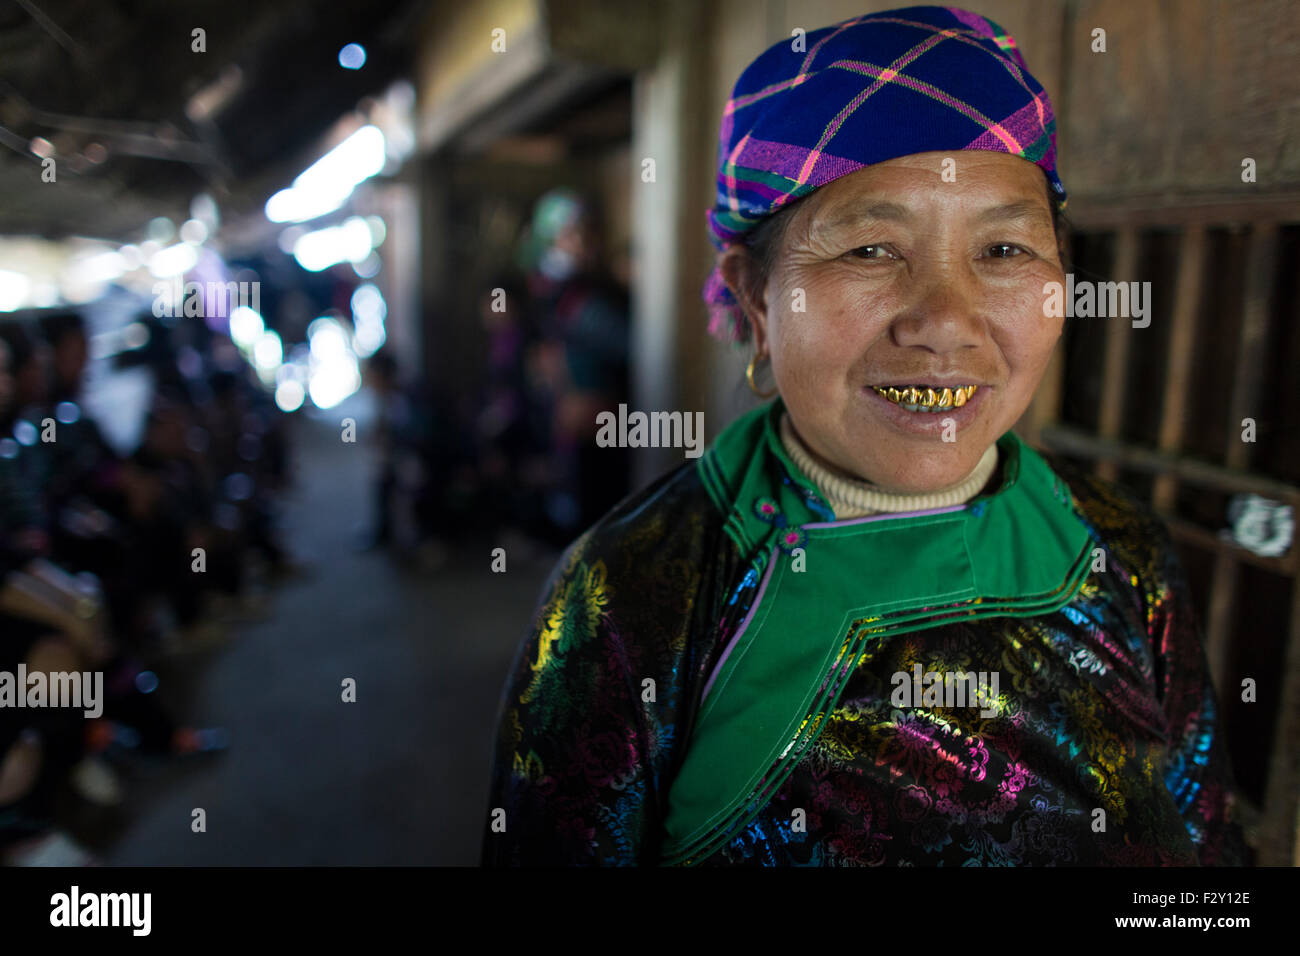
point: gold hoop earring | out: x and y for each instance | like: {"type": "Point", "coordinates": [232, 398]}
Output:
{"type": "Point", "coordinates": [749, 377]}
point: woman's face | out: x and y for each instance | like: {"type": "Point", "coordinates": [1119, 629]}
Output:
{"type": "Point", "coordinates": [892, 276]}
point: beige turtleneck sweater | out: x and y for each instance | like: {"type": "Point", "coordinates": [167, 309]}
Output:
{"type": "Point", "coordinates": [853, 498]}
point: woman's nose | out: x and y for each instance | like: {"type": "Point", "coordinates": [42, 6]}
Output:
{"type": "Point", "coordinates": [943, 315]}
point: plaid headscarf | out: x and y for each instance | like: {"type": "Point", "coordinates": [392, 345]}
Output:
{"type": "Point", "coordinates": [916, 80]}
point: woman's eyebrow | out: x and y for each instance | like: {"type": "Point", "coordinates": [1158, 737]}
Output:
{"type": "Point", "coordinates": [1007, 212]}
{"type": "Point", "coordinates": [865, 210]}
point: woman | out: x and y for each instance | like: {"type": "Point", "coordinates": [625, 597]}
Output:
{"type": "Point", "coordinates": [870, 625]}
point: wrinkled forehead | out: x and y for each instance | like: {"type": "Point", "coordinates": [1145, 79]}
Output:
{"type": "Point", "coordinates": [968, 187]}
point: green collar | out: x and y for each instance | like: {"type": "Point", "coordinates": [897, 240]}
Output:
{"type": "Point", "coordinates": [764, 494]}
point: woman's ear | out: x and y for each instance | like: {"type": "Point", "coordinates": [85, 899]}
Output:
{"type": "Point", "coordinates": [740, 272]}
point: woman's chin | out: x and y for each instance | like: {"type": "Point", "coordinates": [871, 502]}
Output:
{"type": "Point", "coordinates": [911, 465]}
{"type": "Point", "coordinates": [924, 481]}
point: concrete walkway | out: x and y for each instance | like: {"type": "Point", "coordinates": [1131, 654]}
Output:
{"type": "Point", "coordinates": [400, 776]}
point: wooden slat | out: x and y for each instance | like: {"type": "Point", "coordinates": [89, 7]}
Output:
{"type": "Point", "coordinates": [1296, 857]}
{"type": "Point", "coordinates": [1173, 409]}
{"type": "Point", "coordinates": [1081, 444]}
{"type": "Point", "coordinates": [1261, 261]}
{"type": "Point", "coordinates": [1252, 342]}
{"type": "Point", "coordinates": [1114, 377]}
{"type": "Point", "coordinates": [1101, 213]}
{"type": "Point", "coordinates": [1279, 827]}
{"type": "Point", "coordinates": [1250, 816]}
{"type": "Point", "coordinates": [1219, 614]}
{"type": "Point", "coordinates": [1193, 534]}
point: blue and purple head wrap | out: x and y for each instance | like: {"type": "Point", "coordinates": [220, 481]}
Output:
{"type": "Point", "coordinates": [820, 106]}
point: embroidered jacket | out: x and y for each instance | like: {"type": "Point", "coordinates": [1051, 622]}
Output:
{"type": "Point", "coordinates": [649, 718]}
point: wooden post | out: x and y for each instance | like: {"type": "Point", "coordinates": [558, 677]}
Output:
{"type": "Point", "coordinates": [1173, 410]}
{"type": "Point", "coordinates": [1279, 828]}
{"type": "Point", "coordinates": [1114, 376]}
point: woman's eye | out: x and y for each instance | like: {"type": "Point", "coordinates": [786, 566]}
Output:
{"type": "Point", "coordinates": [870, 252]}
{"type": "Point", "coordinates": [1003, 250]}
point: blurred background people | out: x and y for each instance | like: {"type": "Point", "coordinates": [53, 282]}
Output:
{"type": "Point", "coordinates": [580, 358]}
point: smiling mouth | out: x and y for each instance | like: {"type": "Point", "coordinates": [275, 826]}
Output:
{"type": "Point", "coordinates": [926, 398]}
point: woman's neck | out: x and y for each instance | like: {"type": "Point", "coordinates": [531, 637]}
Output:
{"type": "Point", "coordinates": [853, 498]}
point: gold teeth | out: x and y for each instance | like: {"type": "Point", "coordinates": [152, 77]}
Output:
{"type": "Point", "coordinates": [928, 397]}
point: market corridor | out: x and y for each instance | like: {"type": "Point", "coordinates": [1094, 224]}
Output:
{"type": "Point", "coordinates": [399, 776]}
